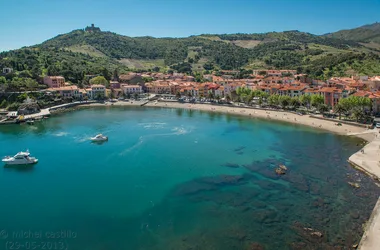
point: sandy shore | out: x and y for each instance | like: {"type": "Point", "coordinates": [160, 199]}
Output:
{"type": "Point", "coordinates": [132, 103]}
{"type": "Point", "coordinates": [306, 120]}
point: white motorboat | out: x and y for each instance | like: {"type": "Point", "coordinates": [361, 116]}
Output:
{"type": "Point", "coordinates": [99, 138]}
{"type": "Point", "coordinates": [21, 158]}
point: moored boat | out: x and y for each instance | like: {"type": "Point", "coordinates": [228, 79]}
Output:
{"type": "Point", "coordinates": [21, 158]}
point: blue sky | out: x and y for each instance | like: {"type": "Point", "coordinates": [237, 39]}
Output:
{"type": "Point", "coordinates": [29, 22]}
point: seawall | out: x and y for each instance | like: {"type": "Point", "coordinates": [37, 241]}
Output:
{"type": "Point", "coordinates": [371, 236]}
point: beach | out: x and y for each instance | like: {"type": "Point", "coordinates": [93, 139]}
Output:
{"type": "Point", "coordinates": [306, 120]}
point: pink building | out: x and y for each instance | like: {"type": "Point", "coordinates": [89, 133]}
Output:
{"type": "Point", "coordinates": [54, 81]}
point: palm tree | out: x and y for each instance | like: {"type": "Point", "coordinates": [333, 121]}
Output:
{"type": "Point", "coordinates": [136, 96]}
{"type": "Point", "coordinates": [323, 108]}
{"type": "Point", "coordinates": [305, 100]}
{"type": "Point", "coordinates": [295, 102]}
{"type": "Point", "coordinates": [339, 109]}
{"type": "Point", "coordinates": [284, 100]}
{"type": "Point", "coordinates": [178, 95]}
{"type": "Point", "coordinates": [317, 100]}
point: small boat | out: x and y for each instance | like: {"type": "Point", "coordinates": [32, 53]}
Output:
{"type": "Point", "coordinates": [21, 158]}
{"type": "Point", "coordinates": [99, 138]}
{"type": "Point", "coordinates": [30, 122]}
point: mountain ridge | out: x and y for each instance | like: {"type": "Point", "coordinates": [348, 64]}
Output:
{"type": "Point", "coordinates": [90, 51]}
{"type": "Point", "coordinates": [366, 33]}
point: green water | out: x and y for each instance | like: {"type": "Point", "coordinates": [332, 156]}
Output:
{"type": "Point", "coordinates": [179, 179]}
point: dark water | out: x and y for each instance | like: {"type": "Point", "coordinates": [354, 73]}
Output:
{"type": "Point", "coordinates": [178, 179]}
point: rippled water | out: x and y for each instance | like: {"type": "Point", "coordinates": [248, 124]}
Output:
{"type": "Point", "coordinates": [180, 179]}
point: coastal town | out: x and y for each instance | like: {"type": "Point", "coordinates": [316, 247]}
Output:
{"type": "Point", "coordinates": [246, 125]}
{"type": "Point", "coordinates": [223, 87]}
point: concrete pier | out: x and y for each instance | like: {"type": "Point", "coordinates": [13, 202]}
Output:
{"type": "Point", "coordinates": [371, 237]}
{"type": "Point", "coordinates": [368, 160]}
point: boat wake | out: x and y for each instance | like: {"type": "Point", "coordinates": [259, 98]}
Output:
{"type": "Point", "coordinates": [152, 125]}
{"type": "Point", "coordinates": [142, 139]}
{"type": "Point", "coordinates": [59, 134]}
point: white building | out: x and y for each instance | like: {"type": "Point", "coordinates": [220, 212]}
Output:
{"type": "Point", "coordinates": [131, 89]}
{"type": "Point", "coordinates": [96, 91]}
{"type": "Point", "coordinates": [7, 70]}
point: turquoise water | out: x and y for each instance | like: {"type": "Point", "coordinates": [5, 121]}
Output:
{"type": "Point", "coordinates": [180, 179]}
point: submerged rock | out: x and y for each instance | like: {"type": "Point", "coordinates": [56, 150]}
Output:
{"type": "Point", "coordinates": [231, 165]}
{"type": "Point", "coordinates": [354, 184]}
{"type": "Point", "coordinates": [280, 171]}
{"type": "Point", "coordinates": [255, 246]}
{"type": "Point", "coordinates": [283, 167]}
{"type": "Point", "coordinates": [222, 179]}
{"type": "Point", "coordinates": [317, 234]}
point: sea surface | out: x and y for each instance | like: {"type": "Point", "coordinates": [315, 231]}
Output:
{"type": "Point", "coordinates": [179, 179]}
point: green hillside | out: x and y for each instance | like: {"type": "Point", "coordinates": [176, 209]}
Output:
{"type": "Point", "coordinates": [92, 51]}
{"type": "Point", "coordinates": [367, 33]}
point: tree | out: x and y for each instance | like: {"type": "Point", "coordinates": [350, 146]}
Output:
{"type": "Point", "coordinates": [284, 101]}
{"type": "Point", "coordinates": [210, 96]}
{"type": "Point", "coordinates": [99, 80]}
{"type": "Point", "coordinates": [305, 100]}
{"type": "Point", "coordinates": [156, 69]}
{"type": "Point", "coordinates": [105, 73]}
{"type": "Point", "coordinates": [178, 95]}
{"type": "Point", "coordinates": [295, 102]}
{"type": "Point", "coordinates": [273, 100]}
{"type": "Point", "coordinates": [317, 100]}
{"type": "Point", "coordinates": [22, 97]}
{"type": "Point", "coordinates": [3, 80]}
{"type": "Point", "coordinates": [99, 96]}
{"type": "Point", "coordinates": [323, 108]}
{"type": "Point", "coordinates": [339, 109]}
{"type": "Point", "coordinates": [4, 104]}
{"type": "Point", "coordinates": [116, 75]}
{"type": "Point", "coordinates": [358, 114]}
{"type": "Point", "coordinates": [208, 66]}
{"type": "Point", "coordinates": [135, 95]}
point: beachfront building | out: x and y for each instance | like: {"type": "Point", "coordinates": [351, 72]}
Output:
{"type": "Point", "coordinates": [375, 98]}
{"type": "Point", "coordinates": [158, 87]}
{"type": "Point", "coordinates": [54, 81]}
{"type": "Point", "coordinates": [293, 90]}
{"type": "Point", "coordinates": [219, 91]}
{"type": "Point", "coordinates": [332, 95]}
{"type": "Point", "coordinates": [66, 91]}
{"type": "Point", "coordinates": [96, 91]}
{"type": "Point", "coordinates": [131, 89]}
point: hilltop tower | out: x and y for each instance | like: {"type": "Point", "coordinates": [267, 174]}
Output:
{"type": "Point", "coordinates": [92, 28]}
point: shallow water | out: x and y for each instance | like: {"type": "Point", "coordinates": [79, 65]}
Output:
{"type": "Point", "coordinates": [180, 179]}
